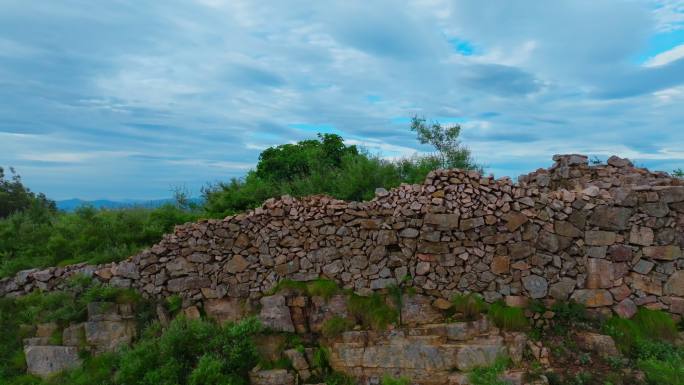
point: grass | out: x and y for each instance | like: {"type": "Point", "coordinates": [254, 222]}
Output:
{"type": "Point", "coordinates": [489, 375]}
{"type": "Point", "coordinates": [372, 311]}
{"type": "Point", "coordinates": [335, 326]}
{"type": "Point", "coordinates": [469, 307]}
{"type": "Point", "coordinates": [646, 325]}
{"type": "Point", "coordinates": [507, 317]}
{"type": "Point", "coordinates": [318, 287]}
{"type": "Point", "coordinates": [388, 380]}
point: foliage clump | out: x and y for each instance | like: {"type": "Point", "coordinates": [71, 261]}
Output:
{"type": "Point", "coordinates": [508, 317]}
{"type": "Point", "coordinates": [372, 311]}
{"type": "Point", "coordinates": [335, 326]}
{"type": "Point", "coordinates": [489, 375]}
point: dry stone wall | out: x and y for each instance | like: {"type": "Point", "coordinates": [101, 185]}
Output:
{"type": "Point", "coordinates": [609, 236]}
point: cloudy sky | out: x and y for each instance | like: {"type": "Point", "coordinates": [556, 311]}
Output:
{"type": "Point", "coordinates": [123, 99]}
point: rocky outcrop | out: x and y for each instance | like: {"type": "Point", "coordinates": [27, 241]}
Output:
{"type": "Point", "coordinates": [109, 327]}
{"type": "Point", "coordinates": [428, 354]}
{"type": "Point", "coordinates": [596, 234]}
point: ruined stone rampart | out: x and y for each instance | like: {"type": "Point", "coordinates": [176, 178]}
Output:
{"type": "Point", "coordinates": [609, 236]}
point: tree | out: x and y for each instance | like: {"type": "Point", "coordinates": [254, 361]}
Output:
{"type": "Point", "coordinates": [15, 197]}
{"type": "Point", "coordinates": [288, 162]}
{"type": "Point", "coordinates": [679, 173]}
{"type": "Point", "coordinates": [450, 153]}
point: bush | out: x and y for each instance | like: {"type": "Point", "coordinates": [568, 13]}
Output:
{"type": "Point", "coordinates": [508, 318]}
{"type": "Point", "coordinates": [190, 350]}
{"type": "Point", "coordinates": [470, 306]}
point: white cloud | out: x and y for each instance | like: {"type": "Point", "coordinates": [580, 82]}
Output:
{"type": "Point", "coordinates": [666, 57]}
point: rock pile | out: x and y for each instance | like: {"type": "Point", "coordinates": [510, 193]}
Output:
{"type": "Point", "coordinates": [609, 236]}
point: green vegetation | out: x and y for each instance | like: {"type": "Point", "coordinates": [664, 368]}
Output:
{"type": "Point", "coordinates": [372, 311]}
{"type": "Point", "coordinates": [34, 234]}
{"type": "Point", "coordinates": [507, 317]}
{"type": "Point", "coordinates": [489, 375]}
{"type": "Point", "coordinates": [389, 380]}
{"type": "Point", "coordinates": [646, 325]}
{"type": "Point", "coordinates": [15, 197]}
{"type": "Point", "coordinates": [449, 151]}
{"type": "Point", "coordinates": [325, 288]}
{"type": "Point", "coordinates": [335, 326]}
{"type": "Point", "coordinates": [328, 166]}
{"type": "Point", "coordinates": [679, 173]}
{"type": "Point", "coordinates": [18, 315]}
{"type": "Point", "coordinates": [41, 237]}
{"type": "Point", "coordinates": [396, 293]}
{"type": "Point", "coordinates": [469, 307]}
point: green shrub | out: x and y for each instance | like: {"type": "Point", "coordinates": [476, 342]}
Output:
{"type": "Point", "coordinates": [669, 371]}
{"type": "Point", "coordinates": [335, 326]}
{"type": "Point", "coordinates": [647, 325]}
{"type": "Point", "coordinates": [656, 324]}
{"type": "Point", "coordinates": [470, 306]}
{"type": "Point", "coordinates": [566, 315]}
{"type": "Point", "coordinates": [173, 356]}
{"type": "Point", "coordinates": [507, 317]}
{"type": "Point", "coordinates": [210, 371]}
{"type": "Point", "coordinates": [50, 238]}
{"type": "Point", "coordinates": [389, 380]}
{"type": "Point", "coordinates": [489, 375]}
{"type": "Point", "coordinates": [174, 303]}
{"type": "Point", "coordinates": [372, 311]}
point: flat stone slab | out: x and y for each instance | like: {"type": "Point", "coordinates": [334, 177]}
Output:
{"type": "Point", "coordinates": [44, 361]}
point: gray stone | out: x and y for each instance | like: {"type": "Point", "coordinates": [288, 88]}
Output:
{"type": "Point", "coordinates": [275, 314]}
{"type": "Point", "coordinates": [599, 238]}
{"type": "Point", "coordinates": [535, 285]}
{"type": "Point", "coordinates": [476, 354]}
{"type": "Point", "coordinates": [610, 217]}
{"type": "Point", "coordinates": [592, 297]}
{"type": "Point", "coordinates": [562, 289]}
{"type": "Point", "coordinates": [643, 266]}
{"type": "Point", "coordinates": [675, 284]}
{"type": "Point", "coordinates": [44, 361]}
{"type": "Point", "coordinates": [107, 336]}
{"type": "Point", "coordinates": [271, 377]}
{"type": "Point", "coordinates": [445, 221]}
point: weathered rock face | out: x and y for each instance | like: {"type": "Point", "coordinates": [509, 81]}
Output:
{"type": "Point", "coordinates": [597, 234]}
{"type": "Point", "coordinates": [46, 360]}
{"type": "Point", "coordinates": [427, 355]}
{"type": "Point", "coordinates": [109, 327]}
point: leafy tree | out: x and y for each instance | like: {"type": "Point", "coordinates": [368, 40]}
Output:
{"type": "Point", "coordinates": [288, 162]}
{"type": "Point", "coordinates": [679, 173]}
{"type": "Point", "coordinates": [444, 139]}
{"type": "Point", "coordinates": [15, 197]}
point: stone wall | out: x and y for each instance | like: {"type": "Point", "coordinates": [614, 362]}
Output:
{"type": "Point", "coordinates": [609, 236]}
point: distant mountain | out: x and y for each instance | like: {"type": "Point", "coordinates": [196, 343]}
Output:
{"type": "Point", "coordinates": [72, 204]}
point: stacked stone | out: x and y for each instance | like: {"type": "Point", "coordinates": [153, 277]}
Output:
{"type": "Point", "coordinates": [607, 236]}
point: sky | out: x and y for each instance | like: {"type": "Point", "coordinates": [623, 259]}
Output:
{"type": "Point", "coordinates": [127, 99]}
